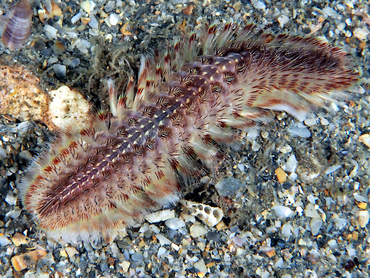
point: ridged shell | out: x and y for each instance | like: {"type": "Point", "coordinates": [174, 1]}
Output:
{"type": "Point", "coordinates": [17, 25]}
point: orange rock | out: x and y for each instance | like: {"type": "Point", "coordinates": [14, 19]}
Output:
{"type": "Point", "coordinates": [281, 175]}
{"type": "Point", "coordinates": [28, 259]}
{"type": "Point", "coordinates": [19, 239]}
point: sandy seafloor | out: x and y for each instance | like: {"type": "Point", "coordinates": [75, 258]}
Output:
{"type": "Point", "coordinates": [313, 225]}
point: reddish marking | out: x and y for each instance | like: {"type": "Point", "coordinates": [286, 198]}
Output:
{"type": "Point", "coordinates": [212, 29]}
{"type": "Point", "coordinates": [122, 102]}
{"type": "Point", "coordinates": [48, 169]}
{"type": "Point", "coordinates": [159, 174]}
{"type": "Point", "coordinates": [38, 179]}
{"type": "Point", "coordinates": [177, 47]}
{"type": "Point", "coordinates": [192, 38]}
{"type": "Point", "coordinates": [175, 164]}
{"type": "Point", "coordinates": [56, 160]}
{"type": "Point", "coordinates": [73, 145]}
{"type": "Point", "coordinates": [140, 90]}
{"type": "Point", "coordinates": [158, 72]}
{"type": "Point", "coordinates": [65, 152]}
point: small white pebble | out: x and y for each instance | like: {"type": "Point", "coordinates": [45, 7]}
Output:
{"type": "Point", "coordinates": [158, 216]}
{"type": "Point", "coordinates": [175, 223]}
{"type": "Point", "coordinates": [333, 168]}
{"type": "Point", "coordinates": [312, 199]}
{"type": "Point", "coordinates": [11, 199]}
{"type": "Point", "coordinates": [255, 146]}
{"type": "Point", "coordinates": [310, 122]}
{"type": "Point", "coordinates": [197, 230]}
{"type": "Point", "coordinates": [283, 212]}
{"type": "Point", "coordinates": [332, 243]}
{"type": "Point", "coordinates": [298, 129]}
{"type": "Point", "coordinates": [315, 225]}
{"type": "Point", "coordinates": [365, 139]}
{"type": "Point", "coordinates": [361, 33]}
{"type": "Point", "coordinates": [52, 60]}
{"type": "Point", "coordinates": [88, 6]}
{"type": "Point", "coordinates": [286, 230]}
{"type": "Point", "coordinates": [161, 251]}
{"type": "Point", "coordinates": [291, 164]}
{"type": "Point", "coordinates": [362, 217]}
{"type": "Point", "coordinates": [93, 23]}
{"type": "Point", "coordinates": [324, 121]}
{"type": "Point", "coordinates": [310, 211]}
{"type": "Point", "coordinates": [4, 241]}
{"type": "Point", "coordinates": [351, 251]}
{"type": "Point", "coordinates": [340, 223]}
{"type": "Point", "coordinates": [76, 18]}
{"type": "Point", "coordinates": [163, 240]}
{"type": "Point", "coordinates": [114, 19]}
{"type": "Point", "coordinates": [258, 4]}
{"type": "Point", "coordinates": [330, 12]}
{"type": "Point", "coordinates": [201, 266]}
{"type": "Point", "coordinates": [341, 26]}
{"type": "Point", "coordinates": [283, 19]}
{"type": "Point", "coordinates": [50, 31]}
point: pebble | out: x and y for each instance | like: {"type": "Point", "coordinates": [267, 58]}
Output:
{"type": "Point", "coordinates": [88, 6]}
{"type": "Point", "coordinates": [283, 19]}
{"type": "Point", "coordinates": [50, 31]}
{"type": "Point", "coordinates": [228, 186]}
{"type": "Point", "coordinates": [255, 146]}
{"type": "Point", "coordinates": [113, 19]}
{"type": "Point", "coordinates": [332, 169]}
{"type": "Point", "coordinates": [71, 251]}
{"type": "Point", "coordinates": [161, 251]}
{"type": "Point", "coordinates": [315, 225]}
{"type": "Point", "coordinates": [197, 230]}
{"type": "Point", "coordinates": [60, 71]}
{"type": "Point", "coordinates": [137, 257]}
{"type": "Point", "coordinates": [160, 215]}
{"type": "Point", "coordinates": [2, 153]}
{"type": "Point", "coordinates": [201, 266]}
{"type": "Point", "coordinates": [76, 18]}
{"type": "Point", "coordinates": [93, 23]}
{"type": "Point", "coordinates": [281, 175]}
{"type": "Point", "coordinates": [362, 217]}
{"type": "Point", "coordinates": [310, 211]}
{"type": "Point", "coordinates": [361, 33]}
{"type": "Point", "coordinates": [365, 139]}
{"type": "Point", "coordinates": [4, 241]}
{"type": "Point", "coordinates": [259, 5]}
{"type": "Point", "coordinates": [25, 260]}
{"type": "Point", "coordinates": [324, 121]}
{"type": "Point", "coordinates": [291, 164]}
{"type": "Point", "coordinates": [175, 223]}
{"type": "Point", "coordinates": [125, 265]}
{"type": "Point", "coordinates": [25, 154]}
{"type": "Point", "coordinates": [163, 240]}
{"type": "Point", "coordinates": [19, 239]}
{"type": "Point", "coordinates": [11, 199]}
{"type": "Point", "coordinates": [310, 122]}
{"type": "Point", "coordinates": [299, 130]}
{"type": "Point", "coordinates": [283, 212]}
{"type": "Point", "coordinates": [330, 12]}
{"type": "Point", "coordinates": [52, 60]}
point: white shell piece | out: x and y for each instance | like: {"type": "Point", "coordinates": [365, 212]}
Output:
{"type": "Point", "coordinates": [209, 215]}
